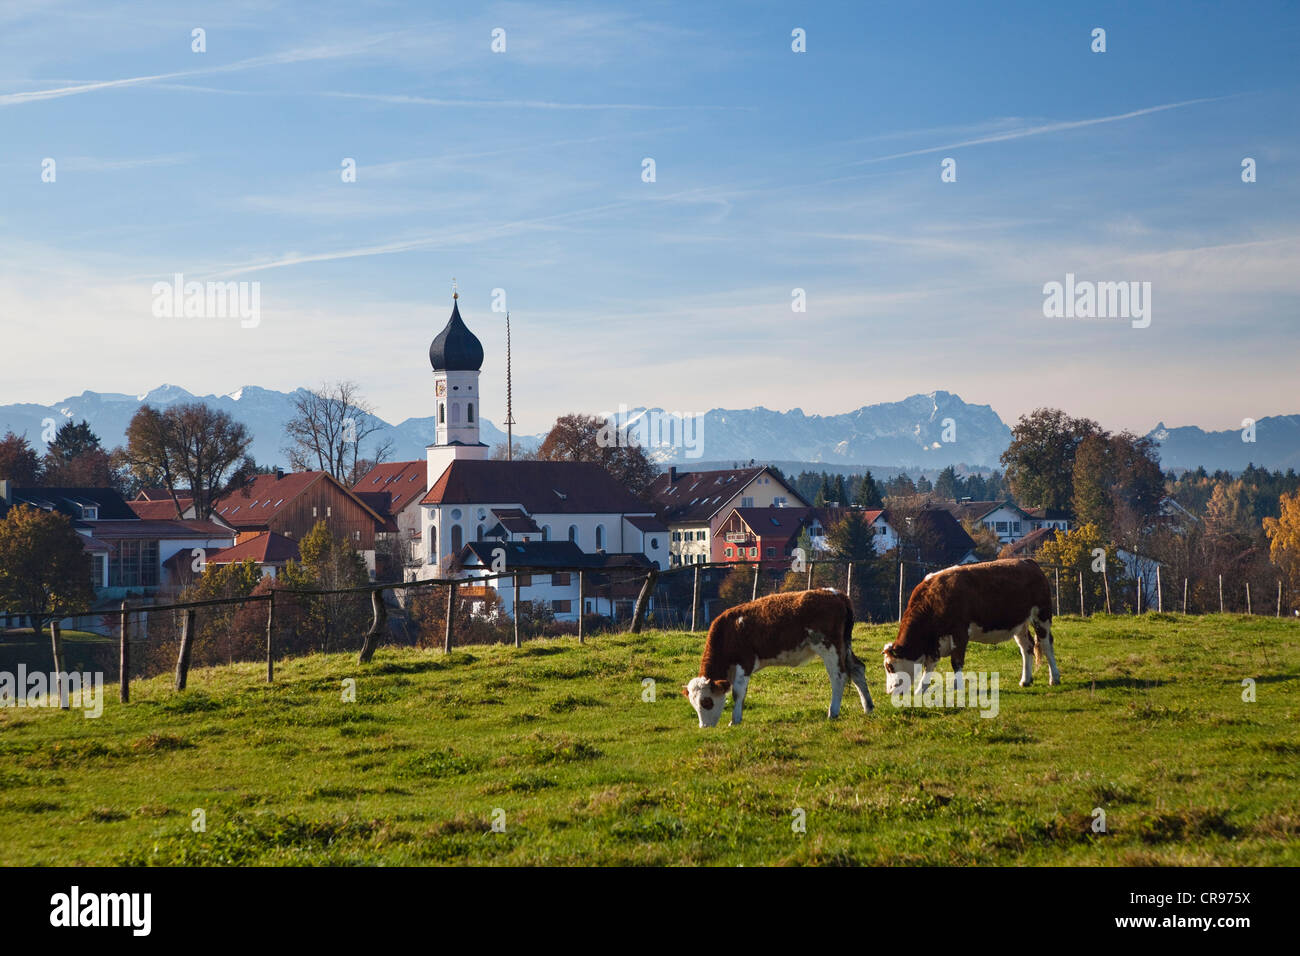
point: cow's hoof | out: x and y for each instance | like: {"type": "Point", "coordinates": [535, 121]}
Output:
{"type": "Point", "coordinates": [1025, 683]}
{"type": "Point", "coordinates": [1055, 681]}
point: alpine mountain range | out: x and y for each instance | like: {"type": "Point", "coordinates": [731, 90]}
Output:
{"type": "Point", "coordinates": [924, 431]}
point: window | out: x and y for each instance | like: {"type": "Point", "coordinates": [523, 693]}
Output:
{"type": "Point", "coordinates": [133, 564]}
{"type": "Point", "coordinates": [654, 544]}
{"type": "Point", "coordinates": [1000, 527]}
{"type": "Point", "coordinates": [478, 534]}
{"type": "Point", "coordinates": [677, 536]}
{"type": "Point", "coordinates": [96, 570]}
{"type": "Point", "coordinates": [457, 539]}
{"type": "Point", "coordinates": [600, 537]}
{"type": "Point", "coordinates": [433, 544]}
{"type": "Point", "coordinates": [1015, 526]}
{"type": "Point", "coordinates": [573, 533]}
{"type": "Point", "coordinates": [442, 413]}
{"type": "Point", "coordinates": [771, 552]}
{"type": "Point", "coordinates": [560, 579]}
{"type": "Point", "coordinates": [562, 607]}
{"type": "Point", "coordinates": [753, 552]}
{"type": "Point", "coordinates": [469, 411]}
{"type": "Point", "coordinates": [746, 502]}
{"type": "Point", "coordinates": [525, 580]}
{"type": "Point", "coordinates": [728, 552]}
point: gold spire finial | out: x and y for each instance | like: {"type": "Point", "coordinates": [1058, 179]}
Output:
{"type": "Point", "coordinates": [454, 293]}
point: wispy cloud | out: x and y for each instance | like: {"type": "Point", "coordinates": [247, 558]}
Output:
{"type": "Point", "coordinates": [1040, 130]}
{"type": "Point", "coordinates": [285, 57]}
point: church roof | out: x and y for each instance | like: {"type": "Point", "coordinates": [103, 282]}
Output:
{"type": "Point", "coordinates": [456, 348]}
{"type": "Point", "coordinates": [540, 487]}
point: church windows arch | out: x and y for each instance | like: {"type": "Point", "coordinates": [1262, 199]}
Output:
{"type": "Point", "coordinates": [457, 539]}
{"type": "Point", "coordinates": [600, 537]}
{"type": "Point", "coordinates": [573, 533]}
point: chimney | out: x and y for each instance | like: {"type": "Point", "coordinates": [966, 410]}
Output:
{"type": "Point", "coordinates": [672, 474]}
{"type": "Point", "coordinates": [279, 473]}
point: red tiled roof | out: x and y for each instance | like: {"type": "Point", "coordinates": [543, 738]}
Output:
{"type": "Point", "coordinates": [699, 495]}
{"type": "Point", "coordinates": [541, 487]}
{"type": "Point", "coordinates": [257, 503]}
{"type": "Point", "coordinates": [266, 548]}
{"type": "Point", "coordinates": [151, 509]}
{"type": "Point", "coordinates": [403, 482]}
{"type": "Point", "coordinates": [161, 494]}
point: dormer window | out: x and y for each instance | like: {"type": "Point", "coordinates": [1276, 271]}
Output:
{"type": "Point", "coordinates": [90, 512]}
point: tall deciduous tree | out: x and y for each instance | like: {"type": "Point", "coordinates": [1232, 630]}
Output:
{"type": "Point", "coordinates": [1040, 458]}
{"type": "Point", "coordinates": [44, 570]}
{"type": "Point", "coordinates": [329, 427]}
{"type": "Point", "coordinates": [19, 461]}
{"type": "Point", "coordinates": [577, 437]}
{"type": "Point", "coordinates": [189, 447]}
{"type": "Point", "coordinates": [1284, 543]}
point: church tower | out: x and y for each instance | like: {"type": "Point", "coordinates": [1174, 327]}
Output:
{"type": "Point", "coordinates": [456, 356]}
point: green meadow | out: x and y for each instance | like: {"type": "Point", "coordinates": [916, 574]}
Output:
{"type": "Point", "coordinates": [551, 755]}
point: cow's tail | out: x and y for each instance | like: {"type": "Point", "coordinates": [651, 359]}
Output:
{"type": "Point", "coordinates": [1040, 629]}
{"type": "Point", "coordinates": [852, 659]}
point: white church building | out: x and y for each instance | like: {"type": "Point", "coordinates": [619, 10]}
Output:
{"type": "Point", "coordinates": [474, 499]}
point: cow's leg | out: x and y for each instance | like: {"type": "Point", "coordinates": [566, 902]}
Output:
{"type": "Point", "coordinates": [1026, 645]}
{"type": "Point", "coordinates": [858, 674]}
{"type": "Point", "coordinates": [837, 673]}
{"type": "Point", "coordinates": [739, 684]}
{"type": "Point", "coordinates": [958, 662]}
{"type": "Point", "coordinates": [927, 674]}
{"type": "Point", "coordinates": [1043, 631]}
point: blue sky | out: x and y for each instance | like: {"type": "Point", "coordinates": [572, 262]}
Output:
{"type": "Point", "coordinates": [775, 170]}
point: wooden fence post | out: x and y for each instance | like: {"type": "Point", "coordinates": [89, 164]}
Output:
{"type": "Point", "coordinates": [123, 661]}
{"type": "Point", "coordinates": [451, 615]}
{"type": "Point", "coordinates": [60, 679]}
{"type": "Point", "coordinates": [582, 602]}
{"type": "Point", "coordinates": [371, 641]}
{"type": "Point", "coordinates": [1184, 595]}
{"type": "Point", "coordinates": [900, 589]}
{"type": "Point", "coordinates": [515, 580]}
{"type": "Point", "coordinates": [1248, 611]}
{"type": "Point", "coordinates": [1160, 594]}
{"type": "Point", "coordinates": [1139, 595]}
{"type": "Point", "coordinates": [848, 582]}
{"type": "Point", "coordinates": [811, 565]}
{"type": "Point", "coordinates": [695, 599]}
{"type": "Point", "coordinates": [187, 643]}
{"type": "Point", "coordinates": [643, 600]}
{"type": "Point", "coordinates": [1220, 593]}
{"type": "Point", "coordinates": [270, 637]}
{"type": "Point", "coordinates": [1082, 612]}
{"type": "Point", "coordinates": [1105, 583]}
{"type": "Point", "coordinates": [1279, 597]}
{"type": "Point", "coordinates": [1057, 572]}
{"type": "Point", "coordinates": [754, 593]}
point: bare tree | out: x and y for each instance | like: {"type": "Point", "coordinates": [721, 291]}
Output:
{"type": "Point", "coordinates": [189, 446]}
{"type": "Point", "coordinates": [329, 426]}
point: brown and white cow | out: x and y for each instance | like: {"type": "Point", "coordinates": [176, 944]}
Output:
{"type": "Point", "coordinates": [987, 603]}
{"type": "Point", "coordinates": [783, 630]}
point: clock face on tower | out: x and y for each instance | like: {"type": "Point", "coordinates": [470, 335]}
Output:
{"type": "Point", "coordinates": [442, 389]}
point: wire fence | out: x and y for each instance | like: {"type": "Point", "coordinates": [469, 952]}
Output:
{"type": "Point", "coordinates": [140, 639]}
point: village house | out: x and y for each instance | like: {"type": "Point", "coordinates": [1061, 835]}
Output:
{"type": "Point", "coordinates": [608, 583]}
{"type": "Point", "coordinates": [394, 490]}
{"type": "Point", "coordinates": [291, 504]}
{"type": "Point", "coordinates": [130, 556]}
{"type": "Point", "coordinates": [694, 504]}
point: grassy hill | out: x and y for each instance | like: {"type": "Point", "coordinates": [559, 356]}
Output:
{"type": "Point", "coordinates": [556, 742]}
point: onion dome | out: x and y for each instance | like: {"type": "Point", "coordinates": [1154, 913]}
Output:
{"type": "Point", "coordinates": [456, 348]}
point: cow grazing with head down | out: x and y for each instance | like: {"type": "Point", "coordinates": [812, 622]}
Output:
{"type": "Point", "coordinates": [987, 603]}
{"type": "Point", "coordinates": [778, 630]}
